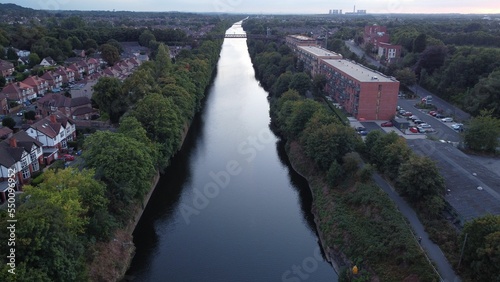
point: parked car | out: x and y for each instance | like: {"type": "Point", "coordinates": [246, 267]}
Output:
{"type": "Point", "coordinates": [68, 157]}
{"type": "Point", "coordinates": [424, 125]}
{"type": "Point", "coordinates": [433, 113]}
{"type": "Point", "coordinates": [360, 128]}
{"type": "Point", "coordinates": [439, 116]}
{"type": "Point", "coordinates": [362, 132]}
{"type": "Point", "coordinates": [386, 124]}
{"type": "Point", "coordinates": [457, 126]}
{"type": "Point", "coordinates": [413, 129]}
{"type": "Point", "coordinates": [417, 121]}
{"type": "Point", "coordinates": [447, 119]}
{"type": "Point", "coordinates": [407, 114]}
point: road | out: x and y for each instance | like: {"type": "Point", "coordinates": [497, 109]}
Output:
{"type": "Point", "coordinates": [360, 53]}
{"type": "Point", "coordinates": [433, 251]}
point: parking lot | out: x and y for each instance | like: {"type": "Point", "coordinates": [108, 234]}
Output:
{"type": "Point", "coordinates": [473, 190]}
{"type": "Point", "coordinates": [443, 129]}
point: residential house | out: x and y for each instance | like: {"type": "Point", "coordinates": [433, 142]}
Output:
{"type": "Point", "coordinates": [5, 132]}
{"type": "Point", "coordinates": [54, 132]}
{"type": "Point", "coordinates": [23, 60]}
{"type": "Point", "coordinates": [6, 68]}
{"type": "Point", "coordinates": [54, 79]}
{"type": "Point", "coordinates": [79, 53]}
{"type": "Point", "coordinates": [19, 92]}
{"type": "Point", "coordinates": [48, 62]}
{"type": "Point", "coordinates": [23, 53]}
{"type": "Point", "coordinates": [389, 53]}
{"type": "Point", "coordinates": [374, 34]}
{"type": "Point", "coordinates": [75, 108]}
{"type": "Point", "coordinates": [4, 104]}
{"type": "Point", "coordinates": [39, 85]}
{"type": "Point", "coordinates": [312, 55]}
{"type": "Point", "coordinates": [78, 70]}
{"type": "Point", "coordinates": [22, 155]}
{"type": "Point", "coordinates": [68, 75]}
{"type": "Point", "coordinates": [299, 40]}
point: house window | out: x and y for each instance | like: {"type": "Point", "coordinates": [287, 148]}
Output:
{"type": "Point", "coordinates": [64, 144]}
{"type": "Point", "coordinates": [35, 164]}
{"type": "Point", "coordinates": [24, 162]}
{"type": "Point", "coordinates": [26, 173]}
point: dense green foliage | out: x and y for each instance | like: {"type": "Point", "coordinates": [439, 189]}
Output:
{"type": "Point", "coordinates": [59, 217]}
{"type": "Point", "coordinates": [481, 254]}
{"type": "Point", "coordinates": [483, 133]}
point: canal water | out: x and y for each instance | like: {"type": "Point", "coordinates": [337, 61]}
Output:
{"type": "Point", "coordinates": [230, 208]}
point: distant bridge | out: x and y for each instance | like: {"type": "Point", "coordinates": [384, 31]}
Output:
{"type": "Point", "coordinates": [235, 35]}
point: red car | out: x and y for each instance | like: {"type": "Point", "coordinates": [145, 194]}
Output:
{"type": "Point", "coordinates": [68, 157]}
{"type": "Point", "coordinates": [407, 114]}
{"type": "Point", "coordinates": [433, 113]}
{"type": "Point", "coordinates": [413, 129]}
{"type": "Point", "coordinates": [386, 124]}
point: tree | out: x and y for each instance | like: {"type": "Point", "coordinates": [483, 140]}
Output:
{"type": "Point", "coordinates": [109, 96]}
{"type": "Point", "coordinates": [420, 43]}
{"type": "Point", "coordinates": [319, 83]}
{"type": "Point", "coordinates": [33, 59]}
{"type": "Point", "coordinates": [109, 53]}
{"type": "Point", "coordinates": [485, 95]}
{"type": "Point", "coordinates": [162, 120]}
{"type": "Point", "coordinates": [30, 115]}
{"type": "Point", "coordinates": [406, 76]}
{"type": "Point", "coordinates": [483, 132]}
{"type": "Point", "coordinates": [146, 37]}
{"type": "Point", "coordinates": [11, 54]}
{"type": "Point", "coordinates": [482, 249]}
{"type": "Point", "coordinates": [9, 122]}
{"type": "Point", "coordinates": [300, 82]}
{"type": "Point", "coordinates": [419, 179]}
{"type": "Point", "coordinates": [163, 63]}
{"type": "Point", "coordinates": [114, 156]}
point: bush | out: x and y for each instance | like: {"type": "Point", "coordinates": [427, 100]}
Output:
{"type": "Point", "coordinates": [335, 174]}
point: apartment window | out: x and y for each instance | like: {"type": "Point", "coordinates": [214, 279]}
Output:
{"type": "Point", "coordinates": [380, 87]}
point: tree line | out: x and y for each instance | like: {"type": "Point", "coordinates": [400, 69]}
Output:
{"type": "Point", "coordinates": [64, 213]}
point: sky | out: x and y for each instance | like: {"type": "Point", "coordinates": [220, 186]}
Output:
{"type": "Point", "coordinates": [270, 6]}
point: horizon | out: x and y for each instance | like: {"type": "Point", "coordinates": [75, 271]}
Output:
{"type": "Point", "coordinates": [293, 7]}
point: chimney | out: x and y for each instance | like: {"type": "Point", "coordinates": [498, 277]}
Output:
{"type": "Point", "coordinates": [18, 83]}
{"type": "Point", "coordinates": [13, 142]}
{"type": "Point", "coordinates": [53, 118]}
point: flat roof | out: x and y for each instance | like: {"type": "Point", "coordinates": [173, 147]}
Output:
{"type": "Point", "coordinates": [359, 72]}
{"type": "Point", "coordinates": [301, 37]}
{"type": "Point", "coordinates": [320, 52]}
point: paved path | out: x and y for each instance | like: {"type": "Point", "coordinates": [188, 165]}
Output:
{"type": "Point", "coordinates": [433, 251]}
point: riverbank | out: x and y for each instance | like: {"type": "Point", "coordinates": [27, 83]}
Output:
{"type": "Point", "coordinates": [358, 225]}
{"type": "Point", "coordinates": [114, 257]}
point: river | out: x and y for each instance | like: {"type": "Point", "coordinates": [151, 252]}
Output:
{"type": "Point", "coordinates": [230, 208]}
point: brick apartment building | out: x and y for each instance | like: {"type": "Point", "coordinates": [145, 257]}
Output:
{"type": "Point", "coordinates": [362, 92]}
{"type": "Point", "coordinates": [312, 55]}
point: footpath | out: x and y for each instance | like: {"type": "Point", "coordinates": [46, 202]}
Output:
{"type": "Point", "coordinates": [432, 250]}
